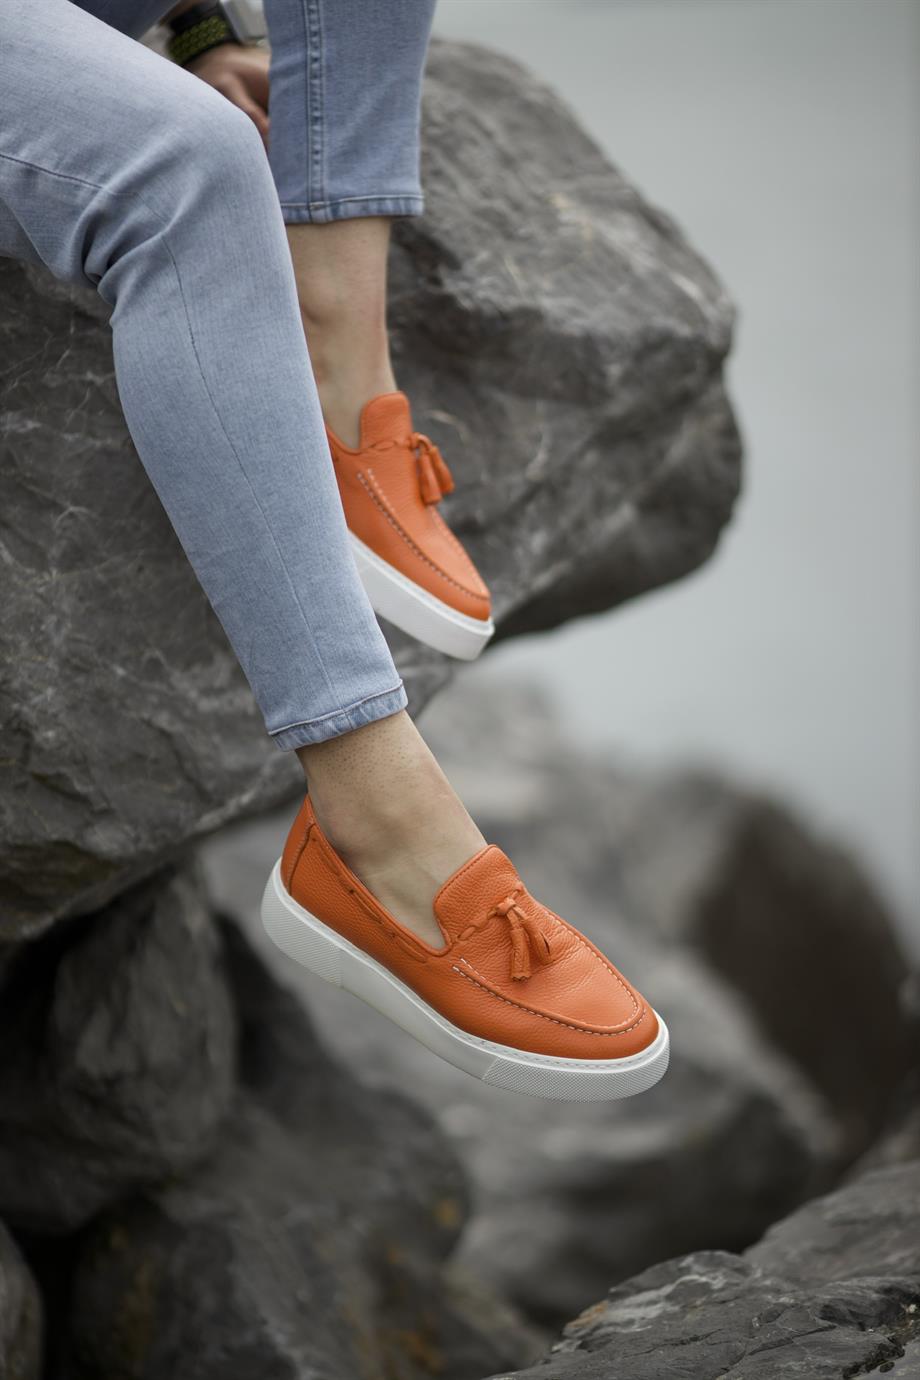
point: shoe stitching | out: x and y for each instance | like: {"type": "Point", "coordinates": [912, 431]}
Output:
{"type": "Point", "coordinates": [564, 923]}
{"type": "Point", "coordinates": [600, 958]}
{"type": "Point", "coordinates": [587, 947]}
{"type": "Point", "coordinates": [448, 532]}
{"type": "Point", "coordinates": [637, 1006]}
{"type": "Point", "coordinates": [333, 866]}
{"type": "Point", "coordinates": [331, 863]}
{"type": "Point", "coordinates": [305, 828]}
{"type": "Point", "coordinates": [437, 521]}
{"type": "Point", "coordinates": [472, 967]}
{"type": "Point", "coordinates": [582, 1030]}
{"type": "Point", "coordinates": [381, 504]}
{"type": "Point", "coordinates": [455, 877]}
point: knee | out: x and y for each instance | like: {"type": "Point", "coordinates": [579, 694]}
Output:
{"type": "Point", "coordinates": [201, 167]}
{"type": "Point", "coordinates": [233, 147]}
{"type": "Point", "coordinates": [208, 154]}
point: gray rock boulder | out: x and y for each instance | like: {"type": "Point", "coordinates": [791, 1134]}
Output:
{"type": "Point", "coordinates": [870, 1227]}
{"type": "Point", "coordinates": [788, 918]}
{"type": "Point", "coordinates": [117, 1054]}
{"type": "Point", "coordinates": [565, 346]}
{"type": "Point", "coordinates": [900, 1139]}
{"type": "Point", "coordinates": [310, 1244]}
{"type": "Point", "coordinates": [20, 1315]}
{"type": "Point", "coordinates": [559, 339]}
{"type": "Point", "coordinates": [833, 1291]}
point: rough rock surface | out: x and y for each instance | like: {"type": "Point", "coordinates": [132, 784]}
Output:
{"type": "Point", "coordinates": [559, 339]}
{"type": "Point", "coordinates": [832, 1292]}
{"type": "Point", "coordinates": [870, 1227]}
{"type": "Point", "coordinates": [20, 1315]}
{"type": "Point", "coordinates": [117, 1052]}
{"type": "Point", "coordinates": [605, 461]}
{"type": "Point", "coordinates": [787, 918]}
{"type": "Point", "coordinates": [309, 1245]}
{"type": "Point", "coordinates": [900, 1139]}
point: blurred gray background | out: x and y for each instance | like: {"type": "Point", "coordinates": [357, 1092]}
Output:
{"type": "Point", "coordinates": [783, 136]}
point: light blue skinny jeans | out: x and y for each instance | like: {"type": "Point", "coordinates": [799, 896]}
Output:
{"type": "Point", "coordinates": [122, 171]}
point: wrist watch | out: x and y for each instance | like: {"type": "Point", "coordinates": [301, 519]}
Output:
{"type": "Point", "coordinates": [205, 26]}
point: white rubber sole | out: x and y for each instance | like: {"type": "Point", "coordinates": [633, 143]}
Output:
{"type": "Point", "coordinates": [324, 952]}
{"type": "Point", "coordinates": [395, 597]}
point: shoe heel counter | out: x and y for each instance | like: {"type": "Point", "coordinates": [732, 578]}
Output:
{"type": "Point", "coordinates": [296, 841]}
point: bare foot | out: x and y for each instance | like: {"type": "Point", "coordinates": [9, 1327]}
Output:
{"type": "Point", "coordinates": [391, 814]}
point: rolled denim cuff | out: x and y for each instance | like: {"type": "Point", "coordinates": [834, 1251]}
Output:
{"type": "Point", "coordinates": [351, 208]}
{"type": "Point", "coordinates": [346, 87]}
{"type": "Point", "coordinates": [339, 721]}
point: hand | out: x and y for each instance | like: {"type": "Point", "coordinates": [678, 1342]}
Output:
{"type": "Point", "coordinates": [240, 74]}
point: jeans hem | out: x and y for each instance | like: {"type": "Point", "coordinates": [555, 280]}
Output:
{"type": "Point", "coordinates": [350, 208]}
{"type": "Point", "coordinates": [339, 721]}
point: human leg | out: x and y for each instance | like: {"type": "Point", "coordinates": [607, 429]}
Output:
{"type": "Point", "coordinates": [386, 806]}
{"type": "Point", "coordinates": [345, 102]}
{"type": "Point", "coordinates": [212, 371]}
{"type": "Point", "coordinates": [161, 198]}
{"type": "Point", "coordinates": [346, 83]}
{"type": "Point", "coordinates": [213, 375]}
{"type": "Point", "coordinates": [346, 79]}
{"type": "Point", "coordinates": [567, 1024]}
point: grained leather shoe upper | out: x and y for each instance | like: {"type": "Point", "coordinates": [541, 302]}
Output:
{"type": "Point", "coordinates": [510, 971]}
{"type": "Point", "coordinates": [390, 488]}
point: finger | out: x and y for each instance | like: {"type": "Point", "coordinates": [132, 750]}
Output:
{"type": "Point", "coordinates": [258, 85]}
{"type": "Point", "coordinates": [257, 115]}
{"type": "Point", "coordinates": [235, 90]}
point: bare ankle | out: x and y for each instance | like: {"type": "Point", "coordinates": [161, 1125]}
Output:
{"type": "Point", "coordinates": [387, 808]}
{"type": "Point", "coordinates": [344, 390]}
{"type": "Point", "coordinates": [371, 788]}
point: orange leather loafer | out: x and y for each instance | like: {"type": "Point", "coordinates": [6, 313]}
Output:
{"type": "Point", "coordinates": [414, 569]}
{"type": "Point", "coordinates": [516, 996]}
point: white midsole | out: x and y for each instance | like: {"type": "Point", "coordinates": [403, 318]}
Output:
{"type": "Point", "coordinates": [335, 959]}
{"type": "Point", "coordinates": [413, 609]}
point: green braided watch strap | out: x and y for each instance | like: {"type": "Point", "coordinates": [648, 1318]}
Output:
{"type": "Point", "coordinates": [199, 38]}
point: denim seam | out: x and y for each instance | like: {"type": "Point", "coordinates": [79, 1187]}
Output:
{"type": "Point", "coordinates": [384, 508]}
{"type": "Point", "coordinates": [106, 191]}
{"type": "Point", "coordinates": [315, 97]}
{"type": "Point", "coordinates": [338, 211]}
{"type": "Point", "coordinates": [414, 197]}
{"type": "Point", "coordinates": [303, 613]}
{"type": "Point", "coordinates": [80, 181]}
{"type": "Point", "coordinates": [334, 713]}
